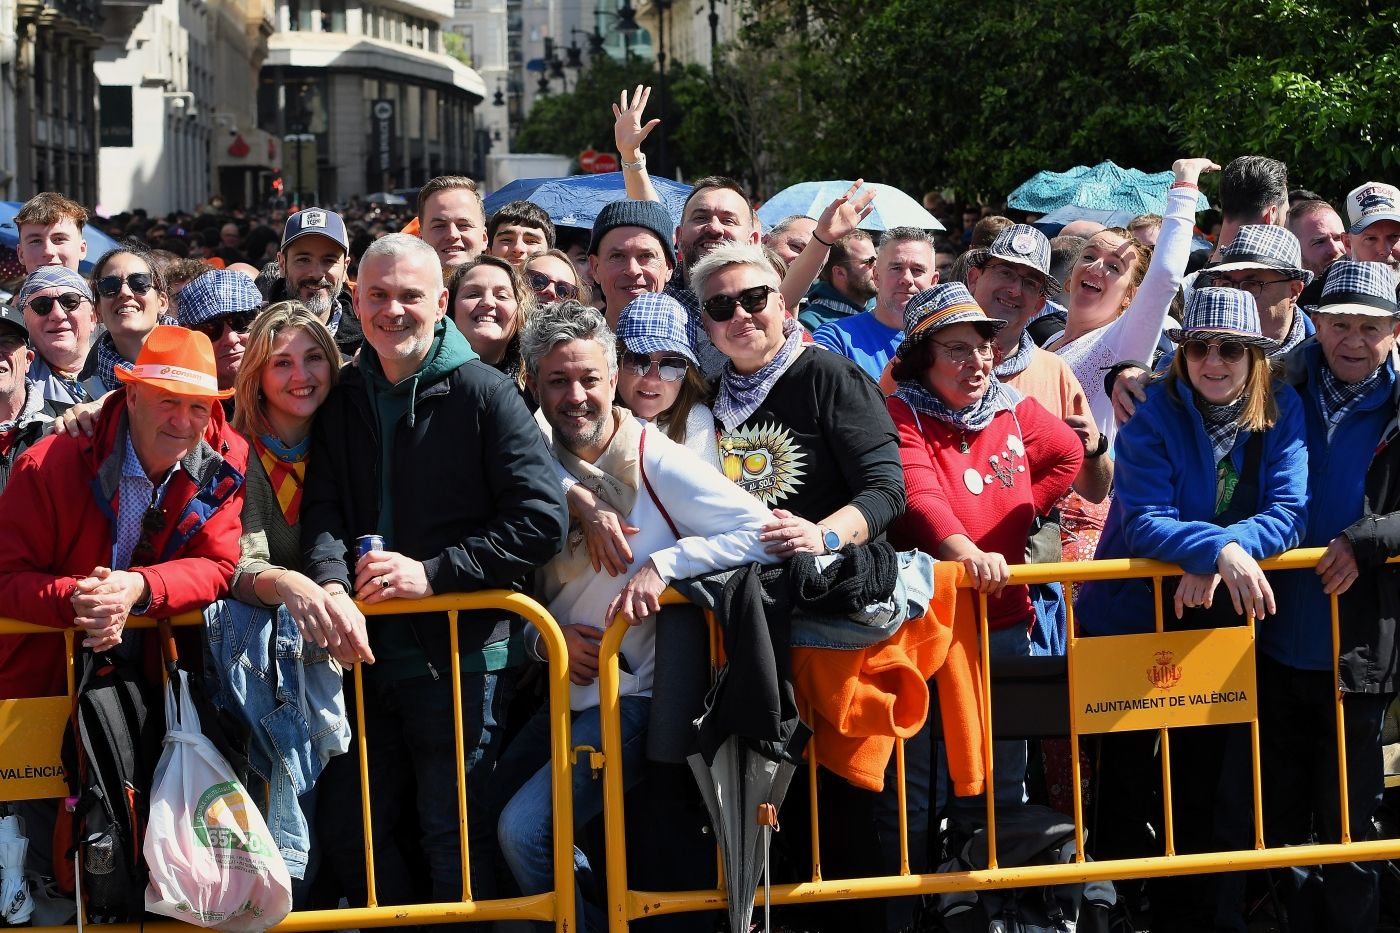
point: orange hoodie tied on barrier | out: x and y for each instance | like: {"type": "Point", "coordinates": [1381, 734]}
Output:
{"type": "Point", "coordinates": [859, 702]}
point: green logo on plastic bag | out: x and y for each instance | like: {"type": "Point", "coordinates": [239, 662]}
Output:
{"type": "Point", "coordinates": [221, 820]}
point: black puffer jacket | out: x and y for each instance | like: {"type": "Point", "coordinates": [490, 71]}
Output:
{"type": "Point", "coordinates": [476, 496]}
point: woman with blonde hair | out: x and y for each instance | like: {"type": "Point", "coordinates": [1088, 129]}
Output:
{"type": "Point", "coordinates": [290, 364]}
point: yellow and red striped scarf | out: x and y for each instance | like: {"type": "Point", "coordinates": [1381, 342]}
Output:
{"type": "Point", "coordinates": [286, 468]}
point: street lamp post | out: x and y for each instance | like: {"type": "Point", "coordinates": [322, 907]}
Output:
{"type": "Point", "coordinates": [663, 7]}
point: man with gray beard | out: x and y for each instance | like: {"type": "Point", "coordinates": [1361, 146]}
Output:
{"type": "Point", "coordinates": [312, 266]}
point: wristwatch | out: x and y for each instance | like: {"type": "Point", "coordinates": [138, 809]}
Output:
{"type": "Point", "coordinates": [830, 540]}
{"type": "Point", "coordinates": [1099, 450]}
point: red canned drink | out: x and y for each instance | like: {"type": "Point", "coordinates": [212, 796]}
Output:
{"type": "Point", "coordinates": [366, 543]}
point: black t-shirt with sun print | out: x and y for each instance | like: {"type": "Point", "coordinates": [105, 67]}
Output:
{"type": "Point", "coordinates": [821, 439]}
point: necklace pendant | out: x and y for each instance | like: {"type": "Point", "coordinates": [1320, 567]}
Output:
{"type": "Point", "coordinates": [963, 446]}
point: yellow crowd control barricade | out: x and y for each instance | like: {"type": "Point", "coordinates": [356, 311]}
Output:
{"type": "Point", "coordinates": [31, 734]}
{"type": "Point", "coordinates": [1156, 681]}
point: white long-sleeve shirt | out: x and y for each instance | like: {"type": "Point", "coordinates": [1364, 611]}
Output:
{"type": "Point", "coordinates": [1133, 335]}
{"type": "Point", "coordinates": [720, 524]}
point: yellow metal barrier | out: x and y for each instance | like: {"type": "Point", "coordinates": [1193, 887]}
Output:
{"type": "Point", "coordinates": [625, 905]}
{"type": "Point", "coordinates": [555, 906]}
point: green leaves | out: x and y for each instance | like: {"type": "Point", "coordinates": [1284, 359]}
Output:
{"type": "Point", "coordinates": [977, 95]}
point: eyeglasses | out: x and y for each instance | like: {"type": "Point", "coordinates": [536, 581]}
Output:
{"type": "Point", "coordinates": [109, 286]}
{"type": "Point", "coordinates": [669, 368]}
{"type": "Point", "coordinates": [720, 308]}
{"type": "Point", "coordinates": [68, 301]}
{"type": "Point", "coordinates": [540, 283]}
{"type": "Point", "coordinates": [1009, 276]}
{"type": "Point", "coordinates": [238, 322]}
{"type": "Point", "coordinates": [1231, 351]}
{"type": "Point", "coordinates": [868, 262]}
{"type": "Point", "coordinates": [152, 523]}
{"type": "Point", "coordinates": [963, 352]}
{"type": "Point", "coordinates": [1254, 286]}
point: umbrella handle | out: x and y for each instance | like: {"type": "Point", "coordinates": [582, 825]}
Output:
{"type": "Point", "coordinates": [767, 817]}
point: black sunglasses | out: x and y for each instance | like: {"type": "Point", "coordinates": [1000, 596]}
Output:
{"type": "Point", "coordinates": [1231, 351]}
{"type": "Point", "coordinates": [152, 523]}
{"type": "Point", "coordinates": [669, 368]}
{"type": "Point", "coordinates": [720, 308]}
{"type": "Point", "coordinates": [68, 301]}
{"type": "Point", "coordinates": [539, 282]}
{"type": "Point", "coordinates": [109, 286]}
{"type": "Point", "coordinates": [238, 322]}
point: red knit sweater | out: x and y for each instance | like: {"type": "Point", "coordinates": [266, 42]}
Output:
{"type": "Point", "coordinates": [1014, 469]}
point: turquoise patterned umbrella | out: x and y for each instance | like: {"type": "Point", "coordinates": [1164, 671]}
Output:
{"type": "Point", "coordinates": [1103, 187]}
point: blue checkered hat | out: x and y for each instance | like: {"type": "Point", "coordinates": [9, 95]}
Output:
{"type": "Point", "coordinates": [214, 294]}
{"type": "Point", "coordinates": [937, 307]}
{"type": "Point", "coordinates": [1263, 246]}
{"type": "Point", "coordinates": [1024, 245]}
{"type": "Point", "coordinates": [50, 277]}
{"type": "Point", "coordinates": [654, 322]}
{"type": "Point", "coordinates": [1359, 288]}
{"type": "Point", "coordinates": [1221, 312]}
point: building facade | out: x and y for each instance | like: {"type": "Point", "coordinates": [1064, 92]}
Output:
{"type": "Point", "coordinates": [365, 99]}
{"type": "Point", "coordinates": [245, 157]}
{"type": "Point", "coordinates": [48, 124]}
{"type": "Point", "coordinates": [155, 96]}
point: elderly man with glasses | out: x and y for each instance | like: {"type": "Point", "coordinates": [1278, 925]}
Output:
{"type": "Point", "coordinates": [60, 314]}
{"type": "Point", "coordinates": [24, 412]}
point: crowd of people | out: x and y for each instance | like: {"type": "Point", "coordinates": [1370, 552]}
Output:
{"type": "Point", "coordinates": [276, 427]}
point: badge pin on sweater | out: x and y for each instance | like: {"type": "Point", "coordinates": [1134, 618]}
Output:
{"type": "Point", "coordinates": [1004, 468]}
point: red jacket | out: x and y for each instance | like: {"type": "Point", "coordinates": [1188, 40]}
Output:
{"type": "Point", "coordinates": [1013, 470]}
{"type": "Point", "coordinates": [57, 521]}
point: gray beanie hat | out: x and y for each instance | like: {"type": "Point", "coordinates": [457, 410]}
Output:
{"type": "Point", "coordinates": [649, 215]}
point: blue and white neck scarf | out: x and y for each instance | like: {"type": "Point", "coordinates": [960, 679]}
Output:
{"type": "Point", "coordinates": [1017, 361]}
{"type": "Point", "coordinates": [973, 418]}
{"type": "Point", "coordinates": [739, 396]}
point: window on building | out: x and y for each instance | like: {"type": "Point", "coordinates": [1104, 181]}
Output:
{"type": "Point", "coordinates": [333, 16]}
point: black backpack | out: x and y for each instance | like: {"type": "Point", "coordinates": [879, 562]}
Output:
{"type": "Point", "coordinates": [1026, 835]}
{"type": "Point", "coordinates": [109, 758]}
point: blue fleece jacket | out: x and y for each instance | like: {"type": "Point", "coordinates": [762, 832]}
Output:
{"type": "Point", "coordinates": [1301, 635]}
{"type": "Point", "coordinates": [1164, 500]}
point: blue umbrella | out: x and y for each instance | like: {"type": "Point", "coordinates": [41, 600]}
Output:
{"type": "Point", "coordinates": [97, 241]}
{"type": "Point", "coordinates": [1103, 187]}
{"type": "Point", "coordinates": [575, 200]}
{"type": "Point", "coordinates": [892, 207]}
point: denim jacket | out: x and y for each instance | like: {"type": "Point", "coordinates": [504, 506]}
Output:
{"type": "Point", "coordinates": [296, 711]}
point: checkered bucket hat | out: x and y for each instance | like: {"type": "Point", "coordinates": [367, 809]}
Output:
{"type": "Point", "coordinates": [1024, 245]}
{"type": "Point", "coordinates": [1261, 246]}
{"type": "Point", "coordinates": [1221, 312]}
{"type": "Point", "coordinates": [215, 294]}
{"type": "Point", "coordinates": [1359, 288]}
{"type": "Point", "coordinates": [654, 322]}
{"type": "Point", "coordinates": [938, 307]}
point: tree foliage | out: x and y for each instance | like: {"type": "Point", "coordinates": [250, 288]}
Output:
{"type": "Point", "coordinates": [699, 138]}
{"type": "Point", "coordinates": [978, 95]}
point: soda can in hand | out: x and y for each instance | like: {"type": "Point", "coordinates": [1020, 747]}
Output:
{"type": "Point", "coordinates": [366, 543]}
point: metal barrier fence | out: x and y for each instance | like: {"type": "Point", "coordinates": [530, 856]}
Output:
{"type": "Point", "coordinates": [25, 726]}
{"type": "Point", "coordinates": [625, 904]}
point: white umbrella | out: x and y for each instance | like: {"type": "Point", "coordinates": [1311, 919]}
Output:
{"type": "Point", "coordinates": [892, 207]}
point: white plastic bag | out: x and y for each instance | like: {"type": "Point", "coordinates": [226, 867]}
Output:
{"type": "Point", "coordinates": [212, 862]}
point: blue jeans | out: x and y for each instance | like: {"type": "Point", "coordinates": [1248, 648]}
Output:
{"type": "Point", "coordinates": [526, 826]}
{"type": "Point", "coordinates": [413, 756]}
{"type": "Point", "coordinates": [1009, 758]}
